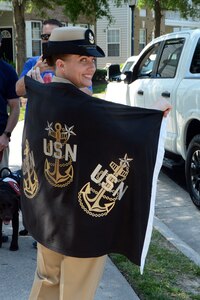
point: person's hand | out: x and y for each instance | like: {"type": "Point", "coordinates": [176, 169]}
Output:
{"type": "Point", "coordinates": [35, 74]}
{"type": "Point", "coordinates": [4, 141]}
{"type": "Point", "coordinates": [163, 105]}
{"type": "Point", "coordinates": [42, 65]}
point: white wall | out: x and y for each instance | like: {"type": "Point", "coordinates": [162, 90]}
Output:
{"type": "Point", "coordinates": [122, 21]}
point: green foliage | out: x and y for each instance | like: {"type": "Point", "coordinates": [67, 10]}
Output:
{"type": "Point", "coordinates": [99, 88]}
{"type": "Point", "coordinates": [99, 75]}
{"type": "Point", "coordinates": [40, 6]}
{"type": "Point", "coordinates": [186, 8]}
{"type": "Point", "coordinates": [92, 9]}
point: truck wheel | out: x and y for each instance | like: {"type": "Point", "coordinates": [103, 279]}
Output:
{"type": "Point", "coordinates": [192, 170]}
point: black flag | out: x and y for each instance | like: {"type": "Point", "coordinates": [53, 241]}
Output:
{"type": "Point", "coordinates": [89, 172]}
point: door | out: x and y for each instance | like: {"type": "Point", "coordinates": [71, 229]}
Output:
{"type": "Point", "coordinates": [164, 84]}
{"type": "Point", "coordinates": [6, 50]}
{"type": "Point", "coordinates": [143, 73]}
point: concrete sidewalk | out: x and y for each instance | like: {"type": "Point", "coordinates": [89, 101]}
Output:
{"type": "Point", "coordinates": [17, 268]}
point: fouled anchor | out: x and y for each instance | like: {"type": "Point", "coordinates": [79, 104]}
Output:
{"type": "Point", "coordinates": [97, 203]}
{"type": "Point", "coordinates": [30, 181]}
{"type": "Point", "coordinates": [59, 174]}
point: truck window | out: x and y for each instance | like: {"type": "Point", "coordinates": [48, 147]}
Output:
{"type": "Point", "coordinates": [147, 64]}
{"type": "Point", "coordinates": [195, 65]}
{"type": "Point", "coordinates": [169, 59]}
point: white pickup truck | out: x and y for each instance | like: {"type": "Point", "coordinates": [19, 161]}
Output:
{"type": "Point", "coordinates": [168, 67]}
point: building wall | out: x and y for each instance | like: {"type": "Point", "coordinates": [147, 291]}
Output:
{"type": "Point", "coordinates": [122, 17]}
{"type": "Point", "coordinates": [7, 29]}
{"type": "Point", "coordinates": [6, 18]}
{"type": "Point", "coordinates": [143, 19]}
{"type": "Point", "coordinates": [142, 22]}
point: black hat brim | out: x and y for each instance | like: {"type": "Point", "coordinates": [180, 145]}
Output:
{"type": "Point", "coordinates": [55, 48]}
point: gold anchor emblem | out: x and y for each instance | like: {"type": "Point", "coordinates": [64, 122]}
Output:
{"type": "Point", "coordinates": [30, 181]}
{"type": "Point", "coordinates": [59, 174]}
{"type": "Point", "coordinates": [100, 203]}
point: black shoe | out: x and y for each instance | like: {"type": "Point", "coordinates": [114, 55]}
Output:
{"type": "Point", "coordinates": [4, 238]}
{"type": "Point", "coordinates": [34, 244]}
{"type": "Point", "coordinates": [23, 232]}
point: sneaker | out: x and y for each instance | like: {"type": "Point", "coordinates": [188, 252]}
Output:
{"type": "Point", "coordinates": [23, 232]}
{"type": "Point", "coordinates": [4, 238]}
{"type": "Point", "coordinates": [34, 244]}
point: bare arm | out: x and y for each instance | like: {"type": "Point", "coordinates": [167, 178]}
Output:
{"type": "Point", "coordinates": [14, 105]}
{"type": "Point", "coordinates": [41, 66]}
{"type": "Point", "coordinates": [20, 87]}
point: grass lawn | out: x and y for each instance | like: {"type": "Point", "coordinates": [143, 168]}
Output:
{"type": "Point", "coordinates": [99, 88]}
{"type": "Point", "coordinates": [22, 112]}
{"type": "Point", "coordinates": [168, 274]}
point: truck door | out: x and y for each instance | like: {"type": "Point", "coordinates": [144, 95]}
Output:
{"type": "Point", "coordinates": [142, 74]}
{"type": "Point", "coordinates": [164, 82]}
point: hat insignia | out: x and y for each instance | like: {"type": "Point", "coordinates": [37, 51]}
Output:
{"type": "Point", "coordinates": [91, 38]}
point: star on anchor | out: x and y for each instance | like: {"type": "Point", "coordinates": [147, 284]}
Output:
{"type": "Point", "coordinates": [125, 161]}
{"type": "Point", "coordinates": [69, 131]}
{"type": "Point", "coordinates": [49, 127]}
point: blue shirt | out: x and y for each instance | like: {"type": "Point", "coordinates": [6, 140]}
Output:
{"type": "Point", "coordinates": [8, 79]}
{"type": "Point", "coordinates": [30, 63]}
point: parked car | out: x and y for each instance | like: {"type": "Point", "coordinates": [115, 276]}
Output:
{"type": "Point", "coordinates": [169, 67]}
{"type": "Point", "coordinates": [129, 64]}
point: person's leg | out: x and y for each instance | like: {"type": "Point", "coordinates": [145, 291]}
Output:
{"type": "Point", "coordinates": [4, 161]}
{"type": "Point", "coordinates": [80, 277]}
{"type": "Point", "coordinates": [4, 164]}
{"type": "Point", "coordinates": [5, 158]}
{"type": "Point", "coordinates": [23, 232]}
{"type": "Point", "coordinates": [47, 276]}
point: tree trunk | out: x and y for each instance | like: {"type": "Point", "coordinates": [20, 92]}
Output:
{"type": "Point", "coordinates": [19, 25]}
{"type": "Point", "coordinates": [158, 17]}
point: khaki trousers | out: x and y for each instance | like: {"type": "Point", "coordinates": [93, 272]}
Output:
{"type": "Point", "coordinates": [60, 277]}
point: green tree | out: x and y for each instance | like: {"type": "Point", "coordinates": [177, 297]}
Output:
{"type": "Point", "coordinates": [185, 7]}
{"type": "Point", "coordinates": [91, 9]}
{"type": "Point", "coordinates": [19, 26]}
{"type": "Point", "coordinates": [19, 8]}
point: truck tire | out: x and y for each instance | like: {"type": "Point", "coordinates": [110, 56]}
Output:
{"type": "Point", "coordinates": [192, 170]}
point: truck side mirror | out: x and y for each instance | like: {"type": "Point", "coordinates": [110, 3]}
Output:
{"type": "Point", "coordinates": [113, 73]}
{"type": "Point", "coordinates": [128, 79]}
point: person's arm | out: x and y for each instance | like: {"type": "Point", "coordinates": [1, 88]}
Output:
{"type": "Point", "coordinates": [20, 86]}
{"type": "Point", "coordinates": [14, 105]}
{"type": "Point", "coordinates": [41, 66]}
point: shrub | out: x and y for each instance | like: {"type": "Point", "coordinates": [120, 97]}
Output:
{"type": "Point", "coordinates": [100, 75]}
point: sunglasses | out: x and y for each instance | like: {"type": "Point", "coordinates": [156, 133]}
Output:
{"type": "Point", "coordinates": [45, 36]}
